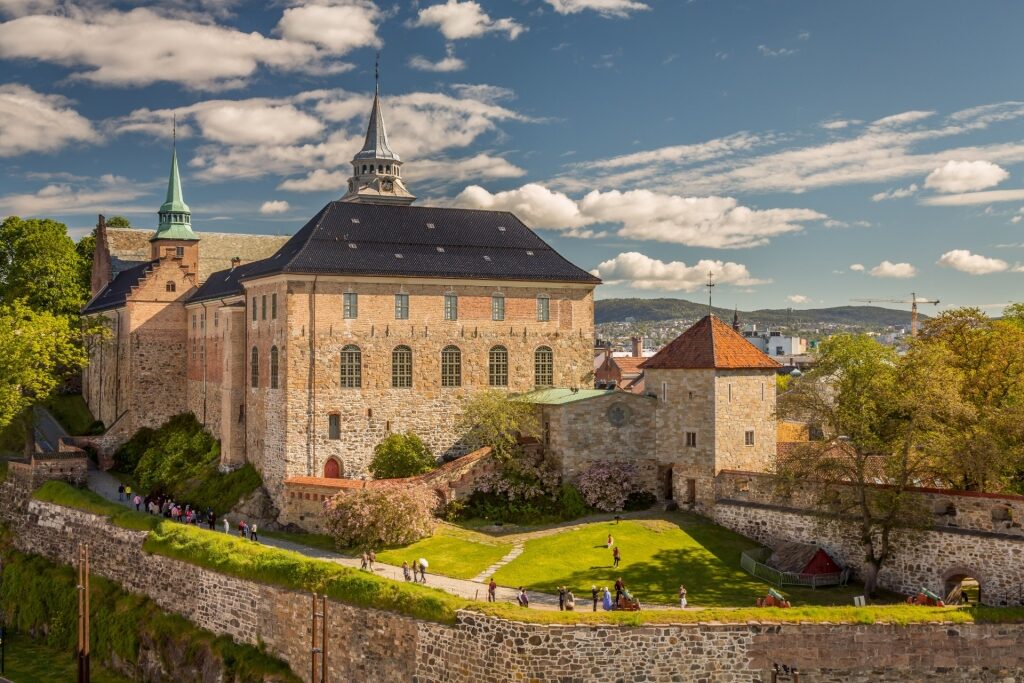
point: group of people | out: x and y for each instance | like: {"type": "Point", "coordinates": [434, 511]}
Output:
{"type": "Point", "coordinates": [418, 570]}
{"type": "Point", "coordinates": [176, 512]}
{"type": "Point", "coordinates": [367, 560]}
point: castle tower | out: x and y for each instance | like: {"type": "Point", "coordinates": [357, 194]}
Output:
{"type": "Point", "coordinates": [716, 408]}
{"type": "Point", "coordinates": [376, 170]}
{"type": "Point", "coordinates": [174, 237]}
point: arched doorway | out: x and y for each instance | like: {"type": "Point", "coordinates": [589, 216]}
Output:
{"type": "Point", "coordinates": [332, 469]}
{"type": "Point", "coordinates": [962, 586]}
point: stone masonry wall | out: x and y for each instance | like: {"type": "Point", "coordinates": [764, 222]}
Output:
{"type": "Point", "coordinates": [366, 644]}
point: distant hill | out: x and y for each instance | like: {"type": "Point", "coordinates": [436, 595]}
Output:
{"type": "Point", "coordinates": [619, 310]}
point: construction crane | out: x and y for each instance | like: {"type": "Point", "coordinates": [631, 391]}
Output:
{"type": "Point", "coordinates": [913, 301]}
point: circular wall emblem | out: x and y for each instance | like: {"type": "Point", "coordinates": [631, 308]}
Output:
{"type": "Point", "coordinates": [618, 414]}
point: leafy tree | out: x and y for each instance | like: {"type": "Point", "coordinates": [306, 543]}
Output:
{"type": "Point", "coordinates": [86, 247]}
{"type": "Point", "coordinates": [1014, 313]}
{"type": "Point", "coordinates": [401, 455]}
{"type": "Point", "coordinates": [881, 416]}
{"type": "Point", "coordinates": [493, 418]}
{"type": "Point", "coordinates": [377, 517]}
{"type": "Point", "coordinates": [118, 222]}
{"type": "Point", "coordinates": [38, 349]}
{"type": "Point", "coordinates": [39, 263]}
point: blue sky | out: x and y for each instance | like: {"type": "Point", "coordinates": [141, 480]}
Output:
{"type": "Point", "coordinates": [806, 152]}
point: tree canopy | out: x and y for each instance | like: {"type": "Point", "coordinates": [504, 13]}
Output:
{"type": "Point", "coordinates": [401, 455]}
{"type": "Point", "coordinates": [40, 264]}
{"type": "Point", "coordinates": [493, 418]}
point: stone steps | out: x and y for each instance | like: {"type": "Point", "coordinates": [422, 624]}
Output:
{"type": "Point", "coordinates": [486, 574]}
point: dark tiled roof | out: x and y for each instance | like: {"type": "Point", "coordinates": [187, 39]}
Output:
{"type": "Point", "coordinates": [363, 239]}
{"type": "Point", "coordinates": [710, 343]}
{"type": "Point", "coordinates": [117, 291]}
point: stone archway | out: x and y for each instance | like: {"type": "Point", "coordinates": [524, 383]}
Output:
{"type": "Point", "coordinates": [962, 583]}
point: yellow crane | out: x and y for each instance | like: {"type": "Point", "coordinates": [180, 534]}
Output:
{"type": "Point", "coordinates": [913, 301]}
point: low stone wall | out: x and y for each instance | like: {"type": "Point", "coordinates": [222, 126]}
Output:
{"type": "Point", "coordinates": [367, 644]}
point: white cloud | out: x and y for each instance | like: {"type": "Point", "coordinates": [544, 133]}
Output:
{"type": "Point", "coordinates": [717, 222]}
{"type": "Point", "coordinates": [840, 124]}
{"type": "Point", "coordinates": [457, 19]}
{"type": "Point", "coordinates": [776, 52]}
{"type": "Point", "coordinates": [252, 123]}
{"type": "Point", "coordinates": [965, 176]}
{"type": "Point", "coordinates": [607, 8]}
{"type": "Point", "coordinates": [642, 272]}
{"type": "Point", "coordinates": [449, 63]}
{"type": "Point", "coordinates": [460, 170]}
{"type": "Point", "coordinates": [108, 193]}
{"type": "Point", "coordinates": [338, 28]}
{"type": "Point", "coordinates": [804, 35]}
{"type": "Point", "coordinates": [276, 206]}
{"type": "Point", "coordinates": [483, 92]}
{"type": "Point", "coordinates": [857, 267]}
{"type": "Point", "coordinates": [18, 8]}
{"type": "Point", "coordinates": [975, 264]}
{"type": "Point", "coordinates": [798, 299]}
{"type": "Point", "coordinates": [704, 151]}
{"type": "Point", "coordinates": [972, 198]}
{"type": "Point", "coordinates": [31, 121]}
{"type": "Point", "coordinates": [895, 193]}
{"type": "Point", "coordinates": [140, 47]}
{"type": "Point", "coordinates": [902, 118]}
{"type": "Point", "coordinates": [893, 270]}
{"type": "Point", "coordinates": [317, 181]}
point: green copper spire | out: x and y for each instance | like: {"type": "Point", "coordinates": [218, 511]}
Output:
{"type": "Point", "coordinates": [175, 216]}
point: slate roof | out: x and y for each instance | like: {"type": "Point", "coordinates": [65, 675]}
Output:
{"type": "Point", "coordinates": [346, 238]}
{"type": "Point", "coordinates": [117, 291]}
{"type": "Point", "coordinates": [710, 344]}
{"type": "Point", "coordinates": [790, 556]}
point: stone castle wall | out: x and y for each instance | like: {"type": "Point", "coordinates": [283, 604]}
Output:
{"type": "Point", "coordinates": [366, 644]}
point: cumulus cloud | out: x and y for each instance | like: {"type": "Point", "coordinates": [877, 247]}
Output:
{"type": "Point", "coordinates": [643, 272]}
{"type": "Point", "coordinates": [461, 170]}
{"type": "Point", "coordinates": [316, 181]}
{"type": "Point", "coordinates": [338, 28]}
{"type": "Point", "coordinates": [718, 222]}
{"type": "Point", "coordinates": [965, 176]}
{"type": "Point", "coordinates": [857, 267]}
{"type": "Point", "coordinates": [140, 47]}
{"type": "Point", "coordinates": [798, 299]}
{"type": "Point", "coordinates": [108, 193]}
{"type": "Point", "coordinates": [458, 19]}
{"type": "Point", "coordinates": [606, 8]}
{"type": "Point", "coordinates": [256, 123]}
{"type": "Point", "coordinates": [893, 270]}
{"type": "Point", "coordinates": [31, 121]}
{"type": "Point", "coordinates": [895, 193]}
{"type": "Point", "coordinates": [272, 207]}
{"type": "Point", "coordinates": [449, 63]}
{"type": "Point", "coordinates": [975, 264]}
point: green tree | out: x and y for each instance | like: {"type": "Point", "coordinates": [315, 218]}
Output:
{"type": "Point", "coordinates": [881, 415]}
{"type": "Point", "coordinates": [1014, 313]}
{"type": "Point", "coordinates": [38, 350]}
{"type": "Point", "coordinates": [401, 455]}
{"type": "Point", "coordinates": [118, 222]}
{"type": "Point", "coordinates": [493, 418]}
{"type": "Point", "coordinates": [39, 263]}
{"type": "Point", "coordinates": [86, 247]}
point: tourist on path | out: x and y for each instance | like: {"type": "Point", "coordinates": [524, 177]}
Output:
{"type": "Point", "coordinates": [364, 561]}
{"type": "Point", "coordinates": [252, 533]}
{"type": "Point", "coordinates": [523, 600]}
{"type": "Point", "coordinates": [405, 570]}
{"type": "Point", "coordinates": [128, 492]}
{"type": "Point", "coordinates": [616, 556]}
{"type": "Point", "coordinates": [561, 598]}
{"type": "Point", "coordinates": [620, 587]}
{"type": "Point", "coordinates": [570, 601]}
{"type": "Point", "coordinates": [211, 519]}
{"type": "Point", "coordinates": [423, 570]}
{"type": "Point", "coordinates": [243, 528]}
{"type": "Point", "coordinates": [610, 541]}
{"type": "Point", "coordinates": [607, 602]}
{"type": "Point", "coordinates": [682, 596]}
{"type": "Point", "coordinates": [138, 502]}
{"type": "Point", "coordinates": [227, 527]}
{"type": "Point", "coordinates": [120, 492]}
{"type": "Point", "coordinates": [492, 590]}
{"type": "Point", "coordinates": [371, 558]}
{"type": "Point", "coordinates": [594, 595]}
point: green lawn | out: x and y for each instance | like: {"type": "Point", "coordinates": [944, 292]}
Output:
{"type": "Point", "coordinates": [72, 412]}
{"type": "Point", "coordinates": [451, 552]}
{"type": "Point", "coordinates": [657, 555]}
{"type": "Point", "coordinates": [29, 661]}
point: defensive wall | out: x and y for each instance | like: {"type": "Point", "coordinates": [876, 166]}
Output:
{"type": "Point", "coordinates": [975, 535]}
{"type": "Point", "coordinates": [366, 644]}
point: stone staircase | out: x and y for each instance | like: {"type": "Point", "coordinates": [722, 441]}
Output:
{"type": "Point", "coordinates": [485, 575]}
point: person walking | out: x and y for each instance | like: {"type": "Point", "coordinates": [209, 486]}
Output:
{"type": "Point", "coordinates": [561, 598]}
{"type": "Point", "coordinates": [610, 541]}
{"type": "Point", "coordinates": [138, 501]}
{"type": "Point", "coordinates": [120, 492]}
{"type": "Point", "coordinates": [128, 492]}
{"type": "Point", "coordinates": [371, 557]}
{"type": "Point", "coordinates": [570, 601]}
{"type": "Point", "coordinates": [607, 602]}
{"type": "Point", "coordinates": [211, 519]}
{"type": "Point", "coordinates": [620, 588]}
{"type": "Point", "coordinates": [405, 570]}
{"type": "Point", "coordinates": [492, 590]}
{"type": "Point", "coordinates": [242, 528]}
{"type": "Point", "coordinates": [616, 557]}
{"type": "Point", "coordinates": [252, 533]}
{"type": "Point", "coordinates": [594, 595]}
{"type": "Point", "coordinates": [364, 560]}
{"type": "Point", "coordinates": [682, 596]}
{"type": "Point", "coordinates": [522, 598]}
{"type": "Point", "coordinates": [423, 570]}
{"type": "Point", "coordinates": [227, 526]}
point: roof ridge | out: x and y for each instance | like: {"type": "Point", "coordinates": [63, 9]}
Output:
{"type": "Point", "coordinates": [714, 352]}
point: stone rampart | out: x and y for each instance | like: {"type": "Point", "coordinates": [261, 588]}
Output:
{"type": "Point", "coordinates": [366, 644]}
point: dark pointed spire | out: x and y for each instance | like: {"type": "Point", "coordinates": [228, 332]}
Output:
{"type": "Point", "coordinates": [376, 144]}
{"type": "Point", "coordinates": [736, 319]}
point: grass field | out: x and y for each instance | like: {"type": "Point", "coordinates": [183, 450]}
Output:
{"type": "Point", "coordinates": [451, 552]}
{"type": "Point", "coordinates": [29, 661]}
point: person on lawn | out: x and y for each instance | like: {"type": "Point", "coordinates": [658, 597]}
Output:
{"type": "Point", "coordinates": [570, 601]}
{"type": "Point", "coordinates": [682, 596]}
{"type": "Point", "coordinates": [620, 587]}
{"type": "Point", "coordinates": [523, 600]}
{"type": "Point", "coordinates": [492, 590]}
{"type": "Point", "coordinates": [610, 541]}
{"type": "Point", "coordinates": [607, 602]}
{"type": "Point", "coordinates": [616, 556]}
{"type": "Point", "coordinates": [594, 595]}
{"type": "Point", "coordinates": [561, 598]}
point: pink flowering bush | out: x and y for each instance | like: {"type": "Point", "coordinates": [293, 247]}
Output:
{"type": "Point", "coordinates": [607, 486]}
{"type": "Point", "coordinates": [383, 516]}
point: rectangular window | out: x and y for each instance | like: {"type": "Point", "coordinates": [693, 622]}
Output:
{"type": "Point", "coordinates": [263, 307]}
{"type": "Point", "coordinates": [254, 309]}
{"type": "Point", "coordinates": [193, 321]}
{"type": "Point", "coordinates": [202, 321]}
{"type": "Point", "coordinates": [664, 392]}
{"type": "Point", "coordinates": [748, 438]}
{"type": "Point", "coordinates": [179, 252]}
{"type": "Point", "coordinates": [451, 307]}
{"type": "Point", "coordinates": [497, 308]}
{"type": "Point", "coordinates": [401, 306]}
{"type": "Point", "coordinates": [543, 309]}
{"type": "Point", "coordinates": [778, 350]}
{"type": "Point", "coordinates": [216, 318]}
{"type": "Point", "coordinates": [273, 306]}
{"type": "Point", "coordinates": [730, 393]}
{"type": "Point", "coordinates": [334, 426]}
{"type": "Point", "coordinates": [351, 305]}
{"type": "Point", "coordinates": [691, 439]}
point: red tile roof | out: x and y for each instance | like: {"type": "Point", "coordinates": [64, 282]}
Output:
{"type": "Point", "coordinates": [629, 365]}
{"type": "Point", "coordinates": [710, 344]}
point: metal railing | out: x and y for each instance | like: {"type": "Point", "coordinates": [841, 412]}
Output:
{"type": "Point", "coordinates": [752, 561]}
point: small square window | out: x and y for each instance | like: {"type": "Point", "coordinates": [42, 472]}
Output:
{"type": "Point", "coordinates": [501, 228]}
{"type": "Point", "coordinates": [691, 439]}
{"type": "Point", "coordinates": [399, 256]}
{"type": "Point", "coordinates": [352, 245]}
{"type": "Point", "coordinates": [748, 438]}
{"type": "Point", "coordinates": [487, 258]}
{"type": "Point", "coordinates": [529, 253]}
{"type": "Point", "coordinates": [351, 305]}
{"type": "Point", "coordinates": [334, 426]}
{"type": "Point", "coordinates": [355, 220]}
{"type": "Point", "coordinates": [430, 226]}
{"type": "Point", "coordinates": [440, 250]}
{"type": "Point", "coordinates": [179, 252]}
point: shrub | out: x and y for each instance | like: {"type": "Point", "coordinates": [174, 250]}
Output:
{"type": "Point", "coordinates": [493, 418]}
{"type": "Point", "coordinates": [127, 457]}
{"type": "Point", "coordinates": [401, 455]}
{"type": "Point", "coordinates": [608, 486]}
{"type": "Point", "coordinates": [382, 516]}
{"type": "Point", "coordinates": [572, 502]}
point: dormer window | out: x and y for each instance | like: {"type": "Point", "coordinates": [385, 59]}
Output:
{"type": "Point", "coordinates": [430, 226]}
{"type": "Point", "coordinates": [351, 245]}
{"type": "Point", "coordinates": [355, 220]}
{"type": "Point", "coordinates": [529, 253]}
{"type": "Point", "coordinates": [440, 250]}
{"type": "Point", "coordinates": [501, 228]}
{"type": "Point", "coordinates": [398, 256]}
{"type": "Point", "coordinates": [487, 258]}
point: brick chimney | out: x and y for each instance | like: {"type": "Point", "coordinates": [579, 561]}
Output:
{"type": "Point", "coordinates": [100, 274]}
{"type": "Point", "coordinates": [638, 346]}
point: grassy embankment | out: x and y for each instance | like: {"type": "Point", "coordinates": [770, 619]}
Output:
{"type": "Point", "coordinates": [69, 409]}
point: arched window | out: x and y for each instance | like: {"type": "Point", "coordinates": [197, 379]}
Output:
{"type": "Point", "coordinates": [170, 286]}
{"type": "Point", "coordinates": [255, 363]}
{"type": "Point", "coordinates": [401, 367]}
{"type": "Point", "coordinates": [497, 366]}
{"type": "Point", "coordinates": [364, 168]}
{"type": "Point", "coordinates": [351, 367]}
{"type": "Point", "coordinates": [380, 168]}
{"type": "Point", "coordinates": [332, 469]}
{"type": "Point", "coordinates": [451, 367]}
{"type": "Point", "coordinates": [273, 367]}
{"type": "Point", "coordinates": [543, 367]}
